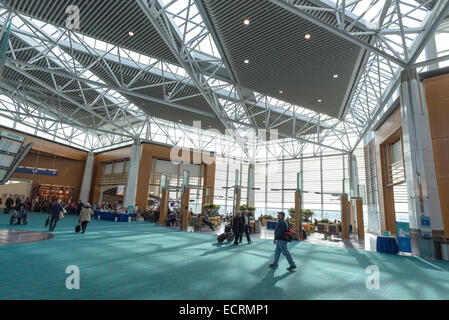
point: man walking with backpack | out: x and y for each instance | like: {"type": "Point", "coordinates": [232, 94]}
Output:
{"type": "Point", "coordinates": [281, 243]}
{"type": "Point", "coordinates": [55, 212]}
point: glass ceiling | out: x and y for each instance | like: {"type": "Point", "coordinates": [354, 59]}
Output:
{"type": "Point", "coordinates": [366, 11]}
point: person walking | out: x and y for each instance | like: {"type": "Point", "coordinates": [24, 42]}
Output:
{"type": "Point", "coordinates": [55, 211]}
{"type": "Point", "coordinates": [8, 204]}
{"type": "Point", "coordinates": [237, 227]}
{"type": "Point", "coordinates": [206, 221]}
{"type": "Point", "coordinates": [17, 203]}
{"type": "Point", "coordinates": [85, 215]}
{"type": "Point", "coordinates": [281, 243]}
{"type": "Point", "coordinates": [245, 222]}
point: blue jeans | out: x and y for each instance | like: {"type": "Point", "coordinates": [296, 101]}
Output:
{"type": "Point", "coordinates": [281, 246]}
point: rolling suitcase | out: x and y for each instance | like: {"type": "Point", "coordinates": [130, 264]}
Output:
{"type": "Point", "coordinates": [77, 228]}
{"type": "Point", "coordinates": [222, 237]}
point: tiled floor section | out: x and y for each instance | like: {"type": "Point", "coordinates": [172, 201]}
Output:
{"type": "Point", "coordinates": [11, 237]}
{"type": "Point", "coordinates": [140, 260]}
{"type": "Point", "coordinates": [369, 242]}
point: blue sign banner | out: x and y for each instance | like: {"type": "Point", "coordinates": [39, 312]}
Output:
{"type": "Point", "coordinates": [38, 171]}
{"type": "Point", "coordinates": [425, 222]}
{"type": "Point", "coordinates": [403, 236]}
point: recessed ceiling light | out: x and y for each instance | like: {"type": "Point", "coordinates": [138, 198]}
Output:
{"type": "Point", "coordinates": [307, 36]}
{"type": "Point", "coordinates": [131, 34]}
{"type": "Point", "coordinates": [335, 76]}
{"type": "Point", "coordinates": [246, 21]}
{"type": "Point", "coordinates": [281, 91]}
{"type": "Point", "coordinates": [320, 100]}
{"type": "Point", "coordinates": [246, 61]}
{"type": "Point", "coordinates": [180, 120]}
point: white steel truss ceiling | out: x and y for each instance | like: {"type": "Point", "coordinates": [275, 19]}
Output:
{"type": "Point", "coordinates": [148, 69]}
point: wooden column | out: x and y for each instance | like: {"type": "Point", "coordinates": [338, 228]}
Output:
{"type": "Point", "coordinates": [360, 224]}
{"type": "Point", "coordinates": [143, 181]}
{"type": "Point", "coordinates": [209, 181]}
{"type": "Point", "coordinates": [185, 208]}
{"type": "Point", "coordinates": [344, 217]}
{"type": "Point", "coordinates": [297, 222]}
{"type": "Point", "coordinates": [164, 207]}
{"type": "Point", "coordinates": [238, 195]}
{"type": "Point", "coordinates": [207, 197]}
{"type": "Point", "coordinates": [388, 218]}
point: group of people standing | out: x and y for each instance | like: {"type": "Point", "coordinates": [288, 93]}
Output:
{"type": "Point", "coordinates": [240, 225]}
{"type": "Point", "coordinates": [10, 204]}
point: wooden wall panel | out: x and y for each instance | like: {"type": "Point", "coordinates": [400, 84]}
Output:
{"type": "Point", "coordinates": [143, 182]}
{"type": "Point", "coordinates": [47, 146]}
{"type": "Point", "coordinates": [441, 157]}
{"type": "Point", "coordinates": [149, 152]}
{"type": "Point", "coordinates": [389, 132]}
{"type": "Point", "coordinates": [437, 95]}
{"type": "Point", "coordinates": [70, 172]}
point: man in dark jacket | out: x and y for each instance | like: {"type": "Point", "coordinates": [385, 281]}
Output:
{"type": "Point", "coordinates": [281, 243]}
{"type": "Point", "coordinates": [237, 227]}
{"type": "Point", "coordinates": [246, 227]}
{"type": "Point", "coordinates": [55, 210]}
{"type": "Point", "coordinates": [8, 204]}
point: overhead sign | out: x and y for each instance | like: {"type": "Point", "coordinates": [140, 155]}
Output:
{"type": "Point", "coordinates": [37, 171]}
{"type": "Point", "coordinates": [11, 136]}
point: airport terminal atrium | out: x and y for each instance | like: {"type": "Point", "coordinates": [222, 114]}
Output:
{"type": "Point", "coordinates": [175, 135]}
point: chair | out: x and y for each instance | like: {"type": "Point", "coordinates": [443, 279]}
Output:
{"type": "Point", "coordinates": [323, 228]}
{"type": "Point", "coordinates": [332, 230]}
{"type": "Point", "coordinates": [196, 224]}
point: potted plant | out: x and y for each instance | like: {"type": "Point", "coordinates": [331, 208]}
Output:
{"type": "Point", "coordinates": [307, 215]}
{"type": "Point", "coordinates": [266, 218]}
{"type": "Point", "coordinates": [250, 209]}
{"type": "Point", "coordinates": [211, 209]}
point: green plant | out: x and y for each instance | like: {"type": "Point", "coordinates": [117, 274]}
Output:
{"type": "Point", "coordinates": [267, 216]}
{"type": "Point", "coordinates": [305, 216]}
{"type": "Point", "coordinates": [211, 209]}
{"type": "Point", "coordinates": [251, 209]}
{"type": "Point", "coordinates": [211, 206]}
{"type": "Point", "coordinates": [324, 221]}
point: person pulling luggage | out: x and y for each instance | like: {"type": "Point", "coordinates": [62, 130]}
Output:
{"type": "Point", "coordinates": [85, 215]}
{"type": "Point", "coordinates": [237, 227]}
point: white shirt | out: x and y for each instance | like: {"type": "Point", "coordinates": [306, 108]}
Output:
{"type": "Point", "coordinates": [246, 220]}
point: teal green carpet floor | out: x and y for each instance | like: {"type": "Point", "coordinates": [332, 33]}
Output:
{"type": "Point", "coordinates": [139, 260]}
